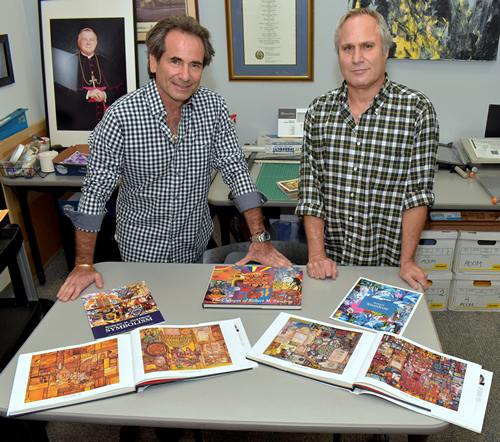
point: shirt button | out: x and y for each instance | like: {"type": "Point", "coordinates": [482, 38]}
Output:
{"type": "Point", "coordinates": [352, 195]}
{"type": "Point", "coordinates": [350, 218]}
{"type": "Point", "coordinates": [355, 169]}
{"type": "Point", "coordinates": [358, 144]}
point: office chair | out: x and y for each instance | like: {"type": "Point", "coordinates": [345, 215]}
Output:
{"type": "Point", "coordinates": [21, 313]}
{"type": "Point", "coordinates": [230, 254]}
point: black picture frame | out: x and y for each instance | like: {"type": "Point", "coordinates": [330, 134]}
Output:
{"type": "Point", "coordinates": [61, 21]}
{"type": "Point", "coordinates": [6, 70]}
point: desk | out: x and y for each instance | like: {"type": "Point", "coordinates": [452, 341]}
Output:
{"type": "Point", "coordinates": [54, 184]}
{"type": "Point", "coordinates": [452, 192]}
{"type": "Point", "coordinates": [263, 399]}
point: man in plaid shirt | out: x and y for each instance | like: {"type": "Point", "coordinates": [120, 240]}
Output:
{"type": "Point", "coordinates": [162, 142]}
{"type": "Point", "coordinates": [368, 157]}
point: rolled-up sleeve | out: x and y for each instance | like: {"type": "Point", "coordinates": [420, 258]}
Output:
{"type": "Point", "coordinates": [421, 172]}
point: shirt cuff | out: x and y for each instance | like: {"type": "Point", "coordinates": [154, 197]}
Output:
{"type": "Point", "coordinates": [84, 221]}
{"type": "Point", "coordinates": [249, 201]}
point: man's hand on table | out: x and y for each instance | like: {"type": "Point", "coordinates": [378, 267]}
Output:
{"type": "Point", "coordinates": [78, 280]}
{"type": "Point", "coordinates": [265, 254]}
{"type": "Point", "coordinates": [413, 275]}
{"type": "Point", "coordinates": [321, 267]}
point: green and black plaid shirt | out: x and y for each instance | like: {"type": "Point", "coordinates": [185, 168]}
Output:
{"type": "Point", "coordinates": [360, 177]}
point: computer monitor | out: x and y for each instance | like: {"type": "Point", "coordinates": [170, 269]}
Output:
{"type": "Point", "coordinates": [493, 122]}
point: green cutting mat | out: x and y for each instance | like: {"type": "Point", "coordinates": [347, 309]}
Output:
{"type": "Point", "coordinates": [272, 172]}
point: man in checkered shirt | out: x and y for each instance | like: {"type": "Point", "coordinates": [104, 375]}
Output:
{"type": "Point", "coordinates": [162, 142]}
{"type": "Point", "coordinates": [368, 159]}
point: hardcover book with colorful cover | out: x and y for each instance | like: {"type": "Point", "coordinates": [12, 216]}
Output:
{"type": "Point", "coordinates": [290, 187]}
{"type": "Point", "coordinates": [127, 363]}
{"type": "Point", "coordinates": [255, 287]}
{"type": "Point", "coordinates": [121, 310]}
{"type": "Point", "coordinates": [378, 306]}
{"type": "Point", "coordinates": [382, 364]}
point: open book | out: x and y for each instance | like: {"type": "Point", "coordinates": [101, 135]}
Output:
{"type": "Point", "coordinates": [378, 306]}
{"type": "Point", "coordinates": [290, 187]}
{"type": "Point", "coordinates": [126, 363]}
{"type": "Point", "coordinates": [383, 364]}
{"type": "Point", "coordinates": [121, 310]}
{"type": "Point", "coordinates": [255, 287]}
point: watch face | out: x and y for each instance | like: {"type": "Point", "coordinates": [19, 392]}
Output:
{"type": "Point", "coordinates": [263, 237]}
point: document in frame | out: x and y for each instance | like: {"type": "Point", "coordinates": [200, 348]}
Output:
{"type": "Point", "coordinates": [269, 32]}
{"type": "Point", "coordinates": [378, 306]}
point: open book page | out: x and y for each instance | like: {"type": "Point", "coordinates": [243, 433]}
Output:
{"type": "Point", "coordinates": [121, 309]}
{"type": "Point", "coordinates": [378, 306]}
{"type": "Point", "coordinates": [254, 287]}
{"type": "Point", "coordinates": [433, 383]}
{"type": "Point", "coordinates": [69, 375]}
{"type": "Point", "coordinates": [174, 352]}
{"type": "Point", "coordinates": [322, 351]}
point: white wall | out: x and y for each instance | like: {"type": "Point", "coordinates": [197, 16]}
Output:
{"type": "Point", "coordinates": [19, 20]}
{"type": "Point", "coordinates": [460, 91]}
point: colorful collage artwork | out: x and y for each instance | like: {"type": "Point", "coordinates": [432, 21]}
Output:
{"type": "Point", "coordinates": [418, 372]}
{"type": "Point", "coordinates": [378, 306]}
{"type": "Point", "coordinates": [314, 345]}
{"type": "Point", "coordinates": [260, 286]}
{"type": "Point", "coordinates": [174, 349]}
{"type": "Point", "coordinates": [71, 371]}
{"type": "Point", "coordinates": [121, 309]}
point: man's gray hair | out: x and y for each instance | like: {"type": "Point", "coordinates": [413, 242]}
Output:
{"type": "Point", "coordinates": [382, 27]}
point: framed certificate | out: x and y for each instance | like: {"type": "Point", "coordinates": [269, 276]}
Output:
{"type": "Point", "coordinates": [270, 41]}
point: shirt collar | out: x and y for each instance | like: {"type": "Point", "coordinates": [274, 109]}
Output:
{"type": "Point", "coordinates": [155, 101]}
{"type": "Point", "coordinates": [379, 99]}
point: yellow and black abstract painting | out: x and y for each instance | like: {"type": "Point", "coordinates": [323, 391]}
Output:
{"type": "Point", "coordinates": [440, 29]}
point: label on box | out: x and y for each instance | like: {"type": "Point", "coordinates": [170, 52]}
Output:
{"type": "Point", "coordinates": [445, 216]}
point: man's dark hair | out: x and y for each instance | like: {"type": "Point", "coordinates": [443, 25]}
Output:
{"type": "Point", "coordinates": [155, 40]}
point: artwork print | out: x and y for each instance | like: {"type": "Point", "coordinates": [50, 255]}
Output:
{"type": "Point", "coordinates": [433, 378]}
{"type": "Point", "coordinates": [255, 285]}
{"type": "Point", "coordinates": [190, 348]}
{"type": "Point", "coordinates": [313, 345]}
{"type": "Point", "coordinates": [440, 29]}
{"type": "Point", "coordinates": [377, 306]}
{"type": "Point", "coordinates": [72, 371]}
{"type": "Point", "coordinates": [121, 309]}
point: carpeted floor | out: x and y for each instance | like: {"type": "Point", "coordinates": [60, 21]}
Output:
{"type": "Point", "coordinates": [469, 335]}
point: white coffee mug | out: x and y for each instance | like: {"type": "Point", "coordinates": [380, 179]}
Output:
{"type": "Point", "coordinates": [46, 158]}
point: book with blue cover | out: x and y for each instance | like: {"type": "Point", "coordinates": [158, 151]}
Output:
{"type": "Point", "coordinates": [378, 306]}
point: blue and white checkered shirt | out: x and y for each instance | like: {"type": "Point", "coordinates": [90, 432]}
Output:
{"type": "Point", "coordinates": [359, 177]}
{"type": "Point", "coordinates": [162, 210]}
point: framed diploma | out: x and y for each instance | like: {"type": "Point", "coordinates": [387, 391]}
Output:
{"type": "Point", "coordinates": [270, 40]}
{"type": "Point", "coordinates": [150, 12]}
{"type": "Point", "coordinates": [89, 61]}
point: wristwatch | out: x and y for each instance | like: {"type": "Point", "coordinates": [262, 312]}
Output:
{"type": "Point", "coordinates": [262, 236]}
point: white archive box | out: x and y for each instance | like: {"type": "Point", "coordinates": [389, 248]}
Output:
{"type": "Point", "coordinates": [475, 292]}
{"type": "Point", "coordinates": [438, 293]}
{"type": "Point", "coordinates": [477, 252]}
{"type": "Point", "coordinates": [435, 250]}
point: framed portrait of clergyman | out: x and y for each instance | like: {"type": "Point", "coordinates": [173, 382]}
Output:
{"type": "Point", "coordinates": [89, 61]}
{"type": "Point", "coordinates": [150, 12]}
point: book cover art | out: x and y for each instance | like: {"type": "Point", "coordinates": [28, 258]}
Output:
{"type": "Point", "coordinates": [378, 306]}
{"type": "Point", "coordinates": [189, 348]}
{"type": "Point", "coordinates": [290, 187]}
{"type": "Point", "coordinates": [73, 370]}
{"type": "Point", "coordinates": [255, 286]}
{"type": "Point", "coordinates": [121, 309]}
{"type": "Point", "coordinates": [428, 376]}
{"type": "Point", "coordinates": [314, 345]}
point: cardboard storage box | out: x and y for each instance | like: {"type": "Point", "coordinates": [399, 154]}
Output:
{"type": "Point", "coordinates": [466, 220]}
{"type": "Point", "coordinates": [439, 290]}
{"type": "Point", "coordinates": [70, 200]}
{"type": "Point", "coordinates": [13, 123]}
{"type": "Point", "coordinates": [475, 293]}
{"type": "Point", "coordinates": [435, 250]}
{"type": "Point", "coordinates": [477, 252]}
{"type": "Point", "coordinates": [70, 169]}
